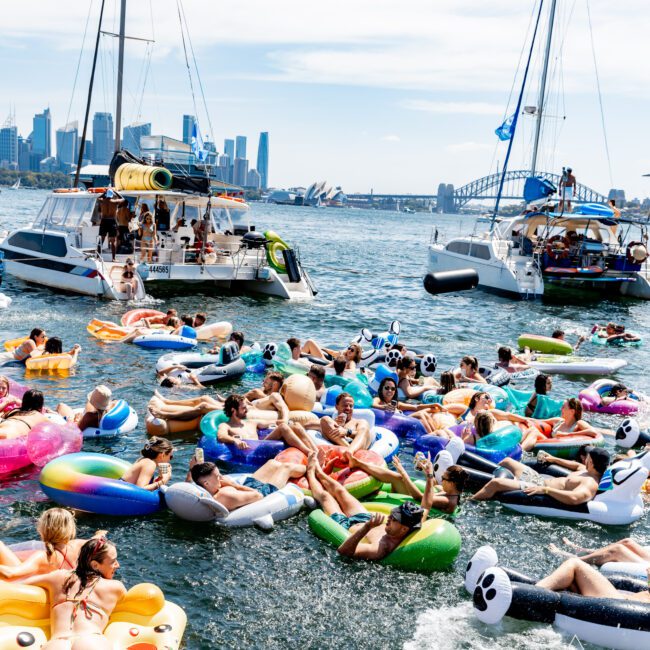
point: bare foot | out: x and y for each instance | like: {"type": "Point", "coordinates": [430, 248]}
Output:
{"type": "Point", "coordinates": [558, 551]}
{"type": "Point", "coordinates": [312, 461]}
{"type": "Point", "coordinates": [573, 545]}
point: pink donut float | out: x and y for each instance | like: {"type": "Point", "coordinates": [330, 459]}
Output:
{"type": "Point", "coordinates": [591, 399]}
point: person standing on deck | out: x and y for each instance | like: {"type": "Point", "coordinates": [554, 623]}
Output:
{"type": "Point", "coordinates": [567, 188]}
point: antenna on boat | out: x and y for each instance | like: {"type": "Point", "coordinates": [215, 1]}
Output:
{"type": "Point", "coordinates": [82, 145]}
{"type": "Point", "coordinates": [120, 71]}
{"type": "Point", "coordinates": [542, 87]}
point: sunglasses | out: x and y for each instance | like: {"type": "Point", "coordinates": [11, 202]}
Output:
{"type": "Point", "coordinates": [389, 388]}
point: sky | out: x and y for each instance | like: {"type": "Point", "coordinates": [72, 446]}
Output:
{"type": "Point", "coordinates": [366, 94]}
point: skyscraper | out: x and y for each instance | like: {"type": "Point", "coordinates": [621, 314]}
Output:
{"type": "Point", "coordinates": [66, 145]}
{"type": "Point", "coordinates": [188, 127]}
{"type": "Point", "coordinates": [263, 159]}
{"type": "Point", "coordinates": [229, 149]}
{"type": "Point", "coordinates": [42, 134]}
{"type": "Point", "coordinates": [240, 174]}
{"type": "Point", "coordinates": [103, 139]}
{"type": "Point", "coordinates": [131, 135]}
{"type": "Point", "coordinates": [240, 147]}
{"type": "Point", "coordinates": [9, 147]}
{"type": "Point", "coordinates": [253, 179]}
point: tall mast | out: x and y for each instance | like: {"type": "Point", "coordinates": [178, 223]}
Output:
{"type": "Point", "coordinates": [120, 70]}
{"type": "Point", "coordinates": [542, 87]}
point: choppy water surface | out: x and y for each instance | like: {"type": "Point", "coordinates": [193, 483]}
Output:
{"type": "Point", "coordinates": [249, 589]}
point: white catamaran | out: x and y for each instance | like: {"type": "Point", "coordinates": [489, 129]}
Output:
{"type": "Point", "coordinates": [592, 247]}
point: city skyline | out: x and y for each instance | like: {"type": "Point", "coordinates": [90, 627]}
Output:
{"type": "Point", "coordinates": [369, 99]}
{"type": "Point", "coordinates": [34, 152]}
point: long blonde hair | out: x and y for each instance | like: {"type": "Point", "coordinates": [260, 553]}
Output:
{"type": "Point", "coordinates": [56, 526]}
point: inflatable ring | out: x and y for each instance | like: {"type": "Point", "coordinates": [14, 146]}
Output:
{"type": "Point", "coordinates": [432, 548]}
{"type": "Point", "coordinates": [545, 344]}
{"type": "Point", "coordinates": [553, 251]}
{"type": "Point", "coordinates": [132, 316]}
{"type": "Point", "coordinates": [628, 252]}
{"type": "Point", "coordinates": [91, 482]}
{"type": "Point", "coordinates": [459, 396]}
{"type": "Point", "coordinates": [274, 247]}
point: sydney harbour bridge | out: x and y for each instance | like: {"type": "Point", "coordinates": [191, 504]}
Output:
{"type": "Point", "coordinates": [449, 199]}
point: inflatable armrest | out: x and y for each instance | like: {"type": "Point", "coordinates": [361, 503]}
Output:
{"type": "Point", "coordinates": [145, 599]}
{"type": "Point", "coordinates": [219, 510]}
{"type": "Point", "coordinates": [26, 601]}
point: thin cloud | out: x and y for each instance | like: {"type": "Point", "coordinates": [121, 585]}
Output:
{"type": "Point", "coordinates": [468, 147]}
{"type": "Point", "coordinates": [468, 108]}
{"type": "Point", "coordinates": [391, 138]}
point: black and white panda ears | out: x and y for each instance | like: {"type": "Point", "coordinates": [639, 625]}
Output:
{"type": "Point", "coordinates": [395, 327]}
{"type": "Point", "coordinates": [628, 433]}
{"type": "Point", "coordinates": [366, 334]}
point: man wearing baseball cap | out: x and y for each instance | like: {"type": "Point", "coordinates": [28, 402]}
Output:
{"type": "Point", "coordinates": [372, 536]}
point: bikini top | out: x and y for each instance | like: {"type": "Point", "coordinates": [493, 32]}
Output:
{"type": "Point", "coordinates": [20, 354]}
{"type": "Point", "coordinates": [127, 274]}
{"type": "Point", "coordinates": [12, 415]}
{"type": "Point", "coordinates": [87, 606]}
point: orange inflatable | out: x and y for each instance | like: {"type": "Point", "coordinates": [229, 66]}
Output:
{"type": "Point", "coordinates": [332, 459]}
{"type": "Point", "coordinates": [459, 396]}
{"type": "Point", "coordinates": [134, 315]}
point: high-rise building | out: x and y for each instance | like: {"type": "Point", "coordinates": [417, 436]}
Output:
{"type": "Point", "coordinates": [240, 146]}
{"type": "Point", "coordinates": [103, 139]}
{"type": "Point", "coordinates": [131, 135]}
{"type": "Point", "coordinates": [42, 134]}
{"type": "Point", "coordinates": [188, 128]}
{"type": "Point", "coordinates": [229, 149]}
{"type": "Point", "coordinates": [67, 138]}
{"type": "Point", "coordinates": [9, 147]}
{"type": "Point", "coordinates": [240, 171]}
{"type": "Point", "coordinates": [253, 179]}
{"type": "Point", "coordinates": [225, 169]}
{"type": "Point", "coordinates": [263, 159]}
{"type": "Point", "coordinates": [24, 153]}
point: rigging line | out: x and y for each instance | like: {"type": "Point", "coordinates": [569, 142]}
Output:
{"type": "Point", "coordinates": [187, 62]}
{"type": "Point", "coordinates": [600, 97]}
{"type": "Point", "coordinates": [514, 121]}
{"type": "Point", "coordinates": [514, 79]}
{"type": "Point", "coordinates": [148, 56]}
{"type": "Point", "coordinates": [198, 76]}
{"type": "Point", "coordinates": [76, 74]}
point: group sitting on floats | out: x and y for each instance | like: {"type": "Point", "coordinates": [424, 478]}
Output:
{"type": "Point", "coordinates": [37, 351]}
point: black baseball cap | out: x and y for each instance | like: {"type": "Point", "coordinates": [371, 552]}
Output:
{"type": "Point", "coordinates": [408, 514]}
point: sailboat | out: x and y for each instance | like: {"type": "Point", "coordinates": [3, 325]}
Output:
{"type": "Point", "coordinates": [16, 185]}
{"type": "Point", "coordinates": [63, 247]}
{"type": "Point", "coordinates": [592, 247]}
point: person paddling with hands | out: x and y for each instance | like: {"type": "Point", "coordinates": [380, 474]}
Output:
{"type": "Point", "coordinates": [237, 430]}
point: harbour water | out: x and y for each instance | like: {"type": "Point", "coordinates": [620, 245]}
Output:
{"type": "Point", "coordinates": [250, 589]}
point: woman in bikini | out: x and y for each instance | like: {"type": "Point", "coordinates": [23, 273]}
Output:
{"type": "Point", "coordinates": [155, 451]}
{"type": "Point", "coordinates": [148, 236]}
{"type": "Point", "coordinates": [82, 600]}
{"type": "Point", "coordinates": [26, 349]}
{"type": "Point", "coordinates": [7, 401]}
{"type": "Point", "coordinates": [570, 421]}
{"type": "Point", "coordinates": [21, 421]}
{"type": "Point", "coordinates": [56, 528]}
{"type": "Point", "coordinates": [127, 280]}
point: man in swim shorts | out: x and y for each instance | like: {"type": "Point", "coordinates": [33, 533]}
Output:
{"type": "Point", "coordinates": [108, 206]}
{"type": "Point", "coordinates": [343, 429]}
{"type": "Point", "coordinates": [269, 478]}
{"type": "Point", "coordinates": [567, 187]}
{"type": "Point", "coordinates": [576, 488]}
{"type": "Point", "coordinates": [237, 429]}
{"type": "Point", "coordinates": [382, 535]}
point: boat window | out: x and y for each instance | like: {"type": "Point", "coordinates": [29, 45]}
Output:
{"type": "Point", "coordinates": [80, 213]}
{"type": "Point", "coordinates": [220, 219]}
{"type": "Point", "coordinates": [58, 212]}
{"type": "Point", "coordinates": [44, 211]}
{"type": "Point", "coordinates": [34, 241]}
{"type": "Point", "coordinates": [480, 250]}
{"type": "Point", "coordinates": [460, 247]}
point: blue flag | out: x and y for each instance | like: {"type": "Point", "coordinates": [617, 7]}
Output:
{"type": "Point", "coordinates": [505, 131]}
{"type": "Point", "coordinates": [197, 144]}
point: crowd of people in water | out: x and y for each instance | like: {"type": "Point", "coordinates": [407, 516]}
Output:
{"type": "Point", "coordinates": [79, 574]}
